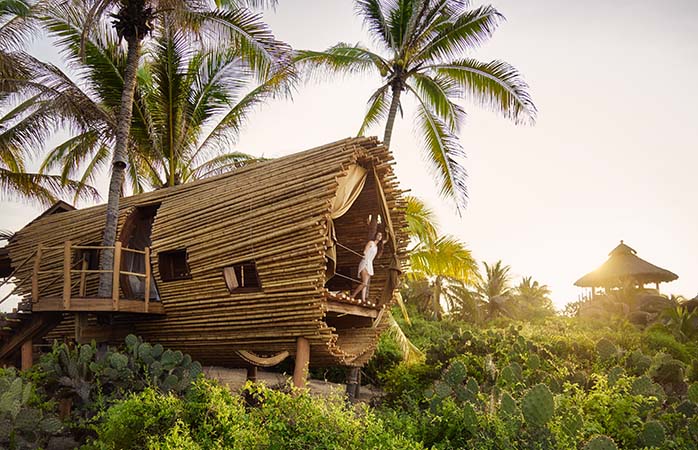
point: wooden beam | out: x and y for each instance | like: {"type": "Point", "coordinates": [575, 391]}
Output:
{"type": "Point", "coordinates": [35, 327]}
{"type": "Point", "coordinates": [300, 370]}
{"type": "Point", "coordinates": [80, 325]}
{"type": "Point", "coordinates": [83, 277]}
{"type": "Point", "coordinates": [263, 361]}
{"type": "Point", "coordinates": [252, 373]}
{"type": "Point", "coordinates": [355, 310]}
{"type": "Point", "coordinates": [96, 304]}
{"type": "Point", "coordinates": [27, 354]}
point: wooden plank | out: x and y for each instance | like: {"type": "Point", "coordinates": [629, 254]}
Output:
{"type": "Point", "coordinates": [35, 327]}
{"type": "Point", "coordinates": [83, 277]}
{"type": "Point", "coordinates": [115, 278]}
{"type": "Point", "coordinates": [97, 304]}
{"type": "Point", "coordinates": [355, 310]}
{"type": "Point", "coordinates": [67, 283]}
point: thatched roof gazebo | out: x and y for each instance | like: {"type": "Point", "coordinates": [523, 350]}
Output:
{"type": "Point", "coordinates": [624, 267]}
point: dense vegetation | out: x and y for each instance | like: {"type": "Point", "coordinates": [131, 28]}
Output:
{"type": "Point", "coordinates": [558, 383]}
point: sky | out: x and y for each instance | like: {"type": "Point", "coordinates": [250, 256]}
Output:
{"type": "Point", "coordinates": [613, 154]}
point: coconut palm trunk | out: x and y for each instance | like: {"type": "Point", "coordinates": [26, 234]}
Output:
{"type": "Point", "coordinates": [392, 114]}
{"type": "Point", "coordinates": [106, 261]}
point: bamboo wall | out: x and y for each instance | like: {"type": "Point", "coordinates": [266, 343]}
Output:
{"type": "Point", "coordinates": [274, 213]}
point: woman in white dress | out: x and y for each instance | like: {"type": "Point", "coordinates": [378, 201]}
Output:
{"type": "Point", "coordinates": [365, 270]}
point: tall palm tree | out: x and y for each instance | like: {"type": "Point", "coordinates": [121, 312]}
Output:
{"type": "Point", "coordinates": [15, 181]}
{"type": "Point", "coordinates": [532, 299]}
{"type": "Point", "coordinates": [494, 288]}
{"type": "Point", "coordinates": [190, 105]}
{"type": "Point", "coordinates": [233, 26]}
{"type": "Point", "coordinates": [438, 261]}
{"type": "Point", "coordinates": [422, 47]}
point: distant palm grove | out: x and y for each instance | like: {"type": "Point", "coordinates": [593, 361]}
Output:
{"type": "Point", "coordinates": [156, 93]}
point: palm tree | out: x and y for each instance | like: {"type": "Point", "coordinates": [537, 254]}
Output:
{"type": "Point", "coordinates": [532, 299]}
{"type": "Point", "coordinates": [15, 181]}
{"type": "Point", "coordinates": [189, 108]}
{"type": "Point", "coordinates": [234, 26]}
{"type": "Point", "coordinates": [422, 47]}
{"type": "Point", "coordinates": [494, 288]}
{"type": "Point", "coordinates": [437, 261]}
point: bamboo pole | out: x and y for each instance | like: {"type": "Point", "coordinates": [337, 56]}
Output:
{"type": "Point", "coordinates": [67, 283]}
{"type": "Point", "coordinates": [146, 257]}
{"type": "Point", "coordinates": [35, 274]}
{"type": "Point", "coordinates": [116, 276]}
{"type": "Point", "coordinates": [83, 277]}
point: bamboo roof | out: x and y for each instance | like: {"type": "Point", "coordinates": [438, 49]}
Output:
{"type": "Point", "coordinates": [275, 213]}
{"type": "Point", "coordinates": [623, 266]}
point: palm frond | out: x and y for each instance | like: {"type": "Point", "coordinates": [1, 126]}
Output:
{"type": "Point", "coordinates": [371, 11]}
{"type": "Point", "coordinates": [221, 164]}
{"type": "Point", "coordinates": [421, 221]}
{"type": "Point", "coordinates": [446, 257]}
{"type": "Point", "coordinates": [495, 85]}
{"type": "Point", "coordinates": [437, 93]}
{"type": "Point", "coordinates": [411, 353]}
{"type": "Point", "coordinates": [378, 106]}
{"type": "Point", "coordinates": [444, 153]}
{"type": "Point", "coordinates": [45, 189]}
{"type": "Point", "coordinates": [342, 58]}
{"type": "Point", "coordinates": [459, 36]}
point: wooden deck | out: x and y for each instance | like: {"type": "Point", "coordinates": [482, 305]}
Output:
{"type": "Point", "coordinates": [354, 310]}
{"type": "Point", "coordinates": [96, 304]}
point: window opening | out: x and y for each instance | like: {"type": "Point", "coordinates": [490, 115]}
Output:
{"type": "Point", "coordinates": [173, 265]}
{"type": "Point", "coordinates": [90, 255]}
{"type": "Point", "coordinates": [242, 277]}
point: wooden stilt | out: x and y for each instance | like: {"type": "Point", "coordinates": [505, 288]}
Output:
{"type": "Point", "coordinates": [353, 382]}
{"type": "Point", "coordinates": [80, 325]}
{"type": "Point", "coordinates": [252, 373]}
{"type": "Point", "coordinates": [300, 370]}
{"type": "Point", "coordinates": [27, 354]}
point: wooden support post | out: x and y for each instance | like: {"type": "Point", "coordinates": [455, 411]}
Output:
{"type": "Point", "coordinates": [115, 276]}
{"type": "Point", "coordinates": [80, 325]}
{"type": "Point", "coordinates": [300, 370]}
{"type": "Point", "coordinates": [147, 278]}
{"type": "Point", "coordinates": [35, 274]}
{"type": "Point", "coordinates": [27, 354]}
{"type": "Point", "coordinates": [67, 282]}
{"type": "Point", "coordinates": [83, 277]}
{"type": "Point", "coordinates": [353, 383]}
{"type": "Point", "coordinates": [252, 373]}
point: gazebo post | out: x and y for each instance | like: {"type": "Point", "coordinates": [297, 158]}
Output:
{"type": "Point", "coordinates": [657, 286]}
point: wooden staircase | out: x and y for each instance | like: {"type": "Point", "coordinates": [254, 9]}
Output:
{"type": "Point", "coordinates": [21, 326]}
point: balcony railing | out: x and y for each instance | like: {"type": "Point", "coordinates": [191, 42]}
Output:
{"type": "Point", "coordinates": [77, 277]}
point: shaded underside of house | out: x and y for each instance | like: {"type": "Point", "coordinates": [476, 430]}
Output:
{"type": "Point", "coordinates": [241, 261]}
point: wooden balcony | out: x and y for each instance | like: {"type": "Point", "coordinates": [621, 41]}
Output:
{"type": "Point", "coordinates": [73, 278]}
{"type": "Point", "coordinates": [341, 304]}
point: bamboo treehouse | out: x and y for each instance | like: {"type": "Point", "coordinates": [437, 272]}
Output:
{"type": "Point", "coordinates": [242, 269]}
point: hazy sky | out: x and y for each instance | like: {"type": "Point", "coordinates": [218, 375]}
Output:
{"type": "Point", "coordinates": [613, 154]}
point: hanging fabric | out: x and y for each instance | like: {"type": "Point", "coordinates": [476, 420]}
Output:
{"type": "Point", "coordinates": [349, 188]}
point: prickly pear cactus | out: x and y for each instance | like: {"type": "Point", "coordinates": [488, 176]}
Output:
{"type": "Point", "coordinates": [538, 406]}
{"type": "Point", "coordinates": [646, 387]}
{"type": "Point", "coordinates": [533, 362]}
{"type": "Point", "coordinates": [687, 408]}
{"type": "Point", "coordinates": [456, 373]}
{"type": "Point", "coordinates": [693, 393]}
{"type": "Point", "coordinates": [653, 434]}
{"type": "Point", "coordinates": [614, 375]}
{"type": "Point", "coordinates": [638, 363]}
{"type": "Point", "coordinates": [601, 443]}
{"type": "Point", "coordinates": [507, 405]}
{"type": "Point", "coordinates": [606, 349]}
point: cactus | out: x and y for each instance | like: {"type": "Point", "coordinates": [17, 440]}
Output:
{"type": "Point", "coordinates": [646, 387]}
{"type": "Point", "coordinates": [614, 375]}
{"type": "Point", "coordinates": [456, 373]}
{"type": "Point", "coordinates": [653, 434]}
{"type": "Point", "coordinates": [687, 408]}
{"type": "Point", "coordinates": [601, 443]}
{"type": "Point", "coordinates": [533, 362]}
{"type": "Point", "coordinates": [507, 405]}
{"type": "Point", "coordinates": [538, 406]}
{"type": "Point", "coordinates": [606, 349]}
{"type": "Point", "coordinates": [692, 393]}
{"type": "Point", "coordinates": [669, 371]}
{"type": "Point", "coordinates": [638, 363]}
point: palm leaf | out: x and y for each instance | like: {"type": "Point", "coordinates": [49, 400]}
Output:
{"type": "Point", "coordinates": [378, 106]}
{"type": "Point", "coordinates": [495, 85]}
{"type": "Point", "coordinates": [410, 353]}
{"type": "Point", "coordinates": [342, 58]}
{"type": "Point", "coordinates": [444, 153]}
{"type": "Point", "coordinates": [437, 93]}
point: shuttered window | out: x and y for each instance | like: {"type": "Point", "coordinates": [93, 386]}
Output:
{"type": "Point", "coordinates": [242, 277]}
{"type": "Point", "coordinates": [173, 265]}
